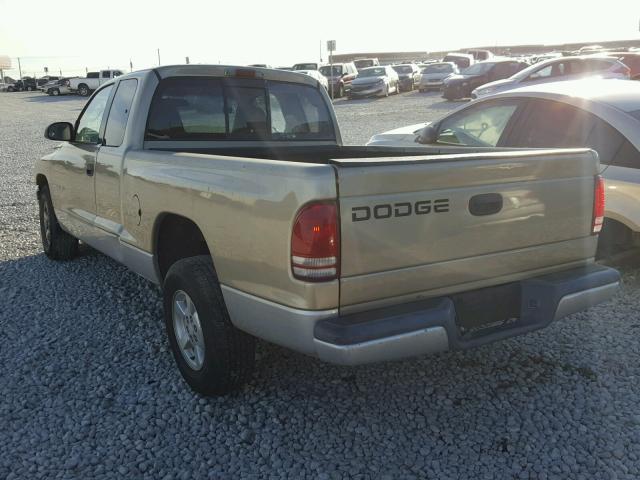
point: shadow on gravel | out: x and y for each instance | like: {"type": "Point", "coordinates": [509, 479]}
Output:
{"type": "Point", "coordinates": [44, 98]}
{"type": "Point", "coordinates": [447, 105]}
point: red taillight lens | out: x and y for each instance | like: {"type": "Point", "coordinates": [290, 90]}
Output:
{"type": "Point", "coordinates": [315, 243]}
{"type": "Point", "coordinates": [598, 205]}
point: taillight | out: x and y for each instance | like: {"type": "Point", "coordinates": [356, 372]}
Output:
{"type": "Point", "coordinates": [315, 243]}
{"type": "Point", "coordinates": [598, 205]}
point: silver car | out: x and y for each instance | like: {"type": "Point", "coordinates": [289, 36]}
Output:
{"type": "Point", "coordinates": [600, 114]}
{"type": "Point", "coordinates": [375, 82]}
{"type": "Point", "coordinates": [564, 68]}
{"type": "Point", "coordinates": [434, 75]}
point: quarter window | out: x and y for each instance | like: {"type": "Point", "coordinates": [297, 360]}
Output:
{"type": "Point", "coordinates": [88, 125]}
{"type": "Point", "coordinates": [119, 112]}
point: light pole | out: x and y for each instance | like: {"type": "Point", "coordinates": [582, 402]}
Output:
{"type": "Point", "coordinates": [158, 57]}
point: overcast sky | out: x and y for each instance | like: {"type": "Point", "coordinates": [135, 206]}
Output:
{"type": "Point", "coordinates": [281, 32]}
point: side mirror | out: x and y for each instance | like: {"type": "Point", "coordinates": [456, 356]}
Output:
{"type": "Point", "coordinates": [428, 135]}
{"type": "Point", "coordinates": [61, 131]}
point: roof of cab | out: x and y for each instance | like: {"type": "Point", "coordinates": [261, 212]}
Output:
{"type": "Point", "coordinates": [233, 71]}
{"type": "Point", "coordinates": [621, 94]}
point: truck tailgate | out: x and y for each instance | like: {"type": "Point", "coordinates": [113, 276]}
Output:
{"type": "Point", "coordinates": [422, 226]}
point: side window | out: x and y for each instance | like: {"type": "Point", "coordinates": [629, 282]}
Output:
{"type": "Point", "coordinates": [627, 156]}
{"type": "Point", "coordinates": [119, 112]}
{"type": "Point", "coordinates": [88, 125]}
{"type": "Point", "coordinates": [106, 74]}
{"type": "Point", "coordinates": [555, 125]}
{"type": "Point", "coordinates": [480, 126]}
{"type": "Point", "coordinates": [544, 72]}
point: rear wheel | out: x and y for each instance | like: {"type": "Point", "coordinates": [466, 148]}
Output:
{"type": "Point", "coordinates": [83, 90]}
{"type": "Point", "coordinates": [55, 92]}
{"type": "Point", "coordinates": [214, 357]}
{"type": "Point", "coordinates": [56, 243]}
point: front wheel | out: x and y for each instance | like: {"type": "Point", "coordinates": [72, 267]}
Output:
{"type": "Point", "coordinates": [214, 357]}
{"type": "Point", "coordinates": [55, 92]}
{"type": "Point", "coordinates": [83, 90]}
{"type": "Point", "coordinates": [56, 243]}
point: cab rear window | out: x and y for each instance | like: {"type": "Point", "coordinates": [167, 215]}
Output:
{"type": "Point", "coordinates": [196, 108]}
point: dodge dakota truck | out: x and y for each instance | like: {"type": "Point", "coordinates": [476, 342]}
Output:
{"type": "Point", "coordinates": [230, 188]}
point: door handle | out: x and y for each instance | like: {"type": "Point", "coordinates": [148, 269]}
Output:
{"type": "Point", "coordinates": [485, 204]}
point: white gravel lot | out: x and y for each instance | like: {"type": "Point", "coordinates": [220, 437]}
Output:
{"type": "Point", "coordinates": [90, 390]}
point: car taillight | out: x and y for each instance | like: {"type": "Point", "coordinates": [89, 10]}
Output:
{"type": "Point", "coordinates": [315, 243]}
{"type": "Point", "coordinates": [598, 205]}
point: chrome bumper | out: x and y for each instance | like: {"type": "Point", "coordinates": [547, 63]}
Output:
{"type": "Point", "coordinates": [418, 328]}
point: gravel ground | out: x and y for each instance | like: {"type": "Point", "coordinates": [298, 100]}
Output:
{"type": "Point", "coordinates": [90, 390]}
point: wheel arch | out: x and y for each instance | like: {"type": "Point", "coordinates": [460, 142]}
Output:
{"type": "Point", "coordinates": [176, 237]}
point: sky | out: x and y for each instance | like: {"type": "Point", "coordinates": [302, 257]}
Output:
{"type": "Point", "coordinates": [110, 34]}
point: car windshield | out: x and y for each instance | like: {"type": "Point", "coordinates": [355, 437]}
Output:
{"type": "Point", "coordinates": [438, 68]}
{"type": "Point", "coordinates": [305, 66]}
{"type": "Point", "coordinates": [372, 72]}
{"type": "Point", "coordinates": [478, 69]}
{"type": "Point", "coordinates": [329, 71]}
{"type": "Point", "coordinates": [363, 63]}
{"type": "Point", "coordinates": [403, 68]}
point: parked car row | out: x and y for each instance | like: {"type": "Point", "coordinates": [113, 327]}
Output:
{"type": "Point", "coordinates": [53, 85]}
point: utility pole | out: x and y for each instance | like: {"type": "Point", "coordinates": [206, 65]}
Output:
{"type": "Point", "coordinates": [331, 46]}
{"type": "Point", "coordinates": [320, 51]}
{"type": "Point", "coordinates": [19, 69]}
{"type": "Point", "coordinates": [186, 60]}
{"type": "Point", "coordinates": [158, 57]}
{"type": "Point", "coordinates": [130, 65]}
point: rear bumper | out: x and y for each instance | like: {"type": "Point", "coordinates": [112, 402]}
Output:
{"type": "Point", "coordinates": [417, 328]}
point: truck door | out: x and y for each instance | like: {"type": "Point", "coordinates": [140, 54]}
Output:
{"type": "Point", "coordinates": [110, 160]}
{"type": "Point", "coordinates": [72, 184]}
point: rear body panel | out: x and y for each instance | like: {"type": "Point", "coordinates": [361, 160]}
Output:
{"type": "Point", "coordinates": [407, 226]}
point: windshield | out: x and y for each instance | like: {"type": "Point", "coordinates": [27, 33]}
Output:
{"type": "Point", "coordinates": [329, 71]}
{"type": "Point", "coordinates": [305, 66]}
{"type": "Point", "coordinates": [373, 72]}
{"type": "Point", "coordinates": [403, 68]}
{"type": "Point", "coordinates": [363, 63]}
{"type": "Point", "coordinates": [438, 68]}
{"type": "Point", "coordinates": [478, 69]}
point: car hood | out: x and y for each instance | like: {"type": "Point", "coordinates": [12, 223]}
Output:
{"type": "Point", "coordinates": [438, 76]}
{"type": "Point", "coordinates": [399, 136]}
{"type": "Point", "coordinates": [461, 78]}
{"type": "Point", "coordinates": [507, 82]}
{"type": "Point", "coordinates": [367, 80]}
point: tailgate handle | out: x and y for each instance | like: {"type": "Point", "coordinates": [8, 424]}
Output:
{"type": "Point", "coordinates": [485, 204]}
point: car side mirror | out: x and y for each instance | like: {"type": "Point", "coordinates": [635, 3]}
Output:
{"type": "Point", "coordinates": [61, 131]}
{"type": "Point", "coordinates": [428, 135]}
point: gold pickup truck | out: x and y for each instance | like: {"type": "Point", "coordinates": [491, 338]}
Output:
{"type": "Point", "coordinates": [230, 188]}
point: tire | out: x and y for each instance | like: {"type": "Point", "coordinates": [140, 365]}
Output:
{"type": "Point", "coordinates": [56, 243]}
{"type": "Point", "coordinates": [226, 357]}
{"type": "Point", "coordinates": [83, 90]}
{"type": "Point", "coordinates": [341, 91]}
{"type": "Point", "coordinates": [55, 92]}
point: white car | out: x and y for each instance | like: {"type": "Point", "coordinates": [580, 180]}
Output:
{"type": "Point", "coordinates": [556, 69]}
{"type": "Point", "coordinates": [600, 114]}
{"type": "Point", "coordinates": [317, 75]}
